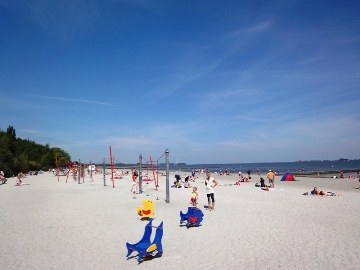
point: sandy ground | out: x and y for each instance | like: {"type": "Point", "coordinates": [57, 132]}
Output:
{"type": "Point", "coordinates": [57, 225]}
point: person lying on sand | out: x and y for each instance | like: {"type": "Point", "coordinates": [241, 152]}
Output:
{"type": "Point", "coordinates": [316, 192]}
{"type": "Point", "coordinates": [329, 193]}
{"type": "Point", "coordinates": [20, 183]}
{"type": "Point", "coordinates": [237, 183]}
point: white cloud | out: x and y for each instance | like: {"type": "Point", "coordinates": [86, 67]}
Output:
{"type": "Point", "coordinates": [69, 99]}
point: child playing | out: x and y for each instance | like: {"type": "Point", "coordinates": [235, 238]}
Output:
{"type": "Point", "coordinates": [134, 188]}
{"type": "Point", "coordinates": [194, 197]}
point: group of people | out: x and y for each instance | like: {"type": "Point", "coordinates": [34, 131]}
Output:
{"type": "Point", "coordinates": [270, 176]}
{"type": "Point", "coordinates": [210, 184]}
{"type": "Point", "coordinates": [178, 183]}
{"type": "Point", "coordinates": [350, 176]}
{"type": "Point", "coordinates": [243, 179]}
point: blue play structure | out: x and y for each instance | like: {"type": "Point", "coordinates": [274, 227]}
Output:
{"type": "Point", "coordinates": [145, 247]}
{"type": "Point", "coordinates": [193, 217]}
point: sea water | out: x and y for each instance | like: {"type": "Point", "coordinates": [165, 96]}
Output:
{"type": "Point", "coordinates": [278, 167]}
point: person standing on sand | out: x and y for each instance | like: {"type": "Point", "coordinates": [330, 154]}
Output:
{"type": "Point", "coordinates": [194, 197]}
{"type": "Point", "coordinates": [133, 189]}
{"type": "Point", "coordinates": [359, 179]}
{"type": "Point", "coordinates": [271, 177]}
{"type": "Point", "coordinates": [210, 183]}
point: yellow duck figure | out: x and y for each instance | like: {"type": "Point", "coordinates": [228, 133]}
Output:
{"type": "Point", "coordinates": [147, 210]}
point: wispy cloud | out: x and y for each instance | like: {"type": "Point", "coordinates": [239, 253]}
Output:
{"type": "Point", "coordinates": [256, 28]}
{"type": "Point", "coordinates": [31, 131]}
{"type": "Point", "coordinates": [70, 100]}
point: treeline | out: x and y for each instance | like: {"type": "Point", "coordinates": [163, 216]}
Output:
{"type": "Point", "coordinates": [18, 155]}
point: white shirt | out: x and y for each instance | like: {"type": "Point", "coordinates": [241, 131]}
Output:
{"type": "Point", "coordinates": [210, 182]}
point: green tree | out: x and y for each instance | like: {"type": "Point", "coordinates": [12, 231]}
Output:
{"type": "Point", "coordinates": [11, 131]}
{"type": "Point", "coordinates": [17, 154]}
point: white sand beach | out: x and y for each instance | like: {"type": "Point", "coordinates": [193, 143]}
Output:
{"type": "Point", "coordinates": [57, 225]}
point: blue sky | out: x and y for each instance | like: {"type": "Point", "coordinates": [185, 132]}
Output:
{"type": "Point", "coordinates": [212, 81]}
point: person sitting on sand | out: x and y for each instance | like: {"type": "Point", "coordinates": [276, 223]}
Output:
{"type": "Point", "coordinates": [186, 183]}
{"type": "Point", "coordinates": [177, 182]}
{"type": "Point", "coordinates": [2, 177]}
{"type": "Point", "coordinates": [20, 175]}
{"type": "Point", "coordinates": [118, 176]}
{"type": "Point", "coordinates": [242, 178]}
{"type": "Point", "coordinates": [262, 182]}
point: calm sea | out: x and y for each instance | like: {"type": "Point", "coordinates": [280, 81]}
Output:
{"type": "Point", "coordinates": [279, 167]}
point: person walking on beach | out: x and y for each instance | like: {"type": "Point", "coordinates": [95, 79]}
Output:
{"type": "Point", "coordinates": [359, 179]}
{"type": "Point", "coordinates": [271, 177]}
{"type": "Point", "coordinates": [210, 183]}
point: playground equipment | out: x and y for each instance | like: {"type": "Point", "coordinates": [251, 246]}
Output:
{"type": "Point", "coordinates": [76, 169]}
{"type": "Point", "coordinates": [155, 173]}
{"type": "Point", "coordinates": [145, 247]}
{"type": "Point", "coordinates": [147, 210]}
{"type": "Point", "coordinates": [193, 217]}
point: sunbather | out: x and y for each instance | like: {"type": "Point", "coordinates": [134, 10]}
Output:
{"type": "Point", "coordinates": [329, 193]}
{"type": "Point", "coordinates": [316, 192]}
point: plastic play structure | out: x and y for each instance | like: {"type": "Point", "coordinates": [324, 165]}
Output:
{"type": "Point", "coordinates": [147, 210]}
{"type": "Point", "coordinates": [145, 247]}
{"type": "Point", "coordinates": [193, 217]}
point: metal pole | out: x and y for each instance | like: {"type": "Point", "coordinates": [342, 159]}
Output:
{"type": "Point", "coordinates": [104, 173]}
{"type": "Point", "coordinates": [112, 167]}
{"type": "Point", "coordinates": [140, 173]}
{"type": "Point", "coordinates": [79, 173]}
{"type": "Point", "coordinates": [57, 168]}
{"type": "Point", "coordinates": [167, 176]}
